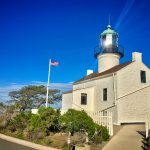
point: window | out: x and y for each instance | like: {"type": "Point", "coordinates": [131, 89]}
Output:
{"type": "Point", "coordinates": [105, 94]}
{"type": "Point", "coordinates": [143, 76]}
{"type": "Point", "coordinates": [83, 98]}
{"type": "Point", "coordinates": [104, 37]}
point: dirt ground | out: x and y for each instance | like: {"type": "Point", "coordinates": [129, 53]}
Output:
{"type": "Point", "coordinates": [60, 139]}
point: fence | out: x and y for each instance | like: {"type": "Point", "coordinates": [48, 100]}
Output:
{"type": "Point", "coordinates": [103, 119]}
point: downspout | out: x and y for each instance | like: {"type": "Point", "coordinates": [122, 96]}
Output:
{"type": "Point", "coordinates": [115, 118]}
{"type": "Point", "coordinates": [115, 95]}
{"type": "Point", "coordinates": [114, 88]}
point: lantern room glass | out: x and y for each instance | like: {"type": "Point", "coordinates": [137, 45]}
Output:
{"type": "Point", "coordinates": [109, 42]}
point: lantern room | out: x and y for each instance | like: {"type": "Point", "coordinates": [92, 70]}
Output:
{"type": "Point", "coordinates": [109, 40]}
{"type": "Point", "coordinates": [109, 43]}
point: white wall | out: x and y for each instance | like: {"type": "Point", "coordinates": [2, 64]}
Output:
{"type": "Point", "coordinates": [34, 111]}
{"type": "Point", "coordinates": [107, 61]}
{"type": "Point", "coordinates": [94, 90]}
{"type": "Point", "coordinates": [106, 82]}
{"type": "Point", "coordinates": [77, 99]}
{"type": "Point", "coordinates": [66, 102]}
{"type": "Point", "coordinates": [128, 79]}
{"type": "Point", "coordinates": [131, 101]}
{"type": "Point", "coordinates": [132, 108]}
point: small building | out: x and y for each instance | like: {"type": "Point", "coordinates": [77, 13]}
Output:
{"type": "Point", "coordinates": [123, 89]}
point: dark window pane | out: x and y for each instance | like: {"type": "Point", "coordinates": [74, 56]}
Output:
{"type": "Point", "coordinates": [104, 37]}
{"type": "Point", "coordinates": [143, 76]}
{"type": "Point", "coordinates": [105, 94]}
{"type": "Point", "coordinates": [83, 98]}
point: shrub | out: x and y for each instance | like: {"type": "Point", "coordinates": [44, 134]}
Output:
{"type": "Point", "coordinates": [74, 120]}
{"type": "Point", "coordinates": [19, 135]}
{"type": "Point", "coordinates": [2, 123]}
{"type": "Point", "coordinates": [46, 141]}
{"type": "Point", "coordinates": [102, 131]}
{"type": "Point", "coordinates": [19, 122]}
{"type": "Point", "coordinates": [97, 139]}
{"type": "Point", "coordinates": [46, 120]}
{"type": "Point", "coordinates": [65, 146]}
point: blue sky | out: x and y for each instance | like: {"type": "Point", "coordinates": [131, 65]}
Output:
{"type": "Point", "coordinates": [32, 31]}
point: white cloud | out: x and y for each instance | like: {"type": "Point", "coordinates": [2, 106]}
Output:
{"type": "Point", "coordinates": [4, 90]}
{"type": "Point", "coordinates": [61, 86]}
{"type": "Point", "coordinates": [71, 82]}
{"type": "Point", "coordinates": [38, 82]}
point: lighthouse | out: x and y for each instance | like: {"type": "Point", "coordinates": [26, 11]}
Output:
{"type": "Point", "coordinates": [109, 51]}
{"type": "Point", "coordinates": [120, 89]}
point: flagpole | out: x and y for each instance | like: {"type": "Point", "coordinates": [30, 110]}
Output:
{"type": "Point", "coordinates": [48, 82]}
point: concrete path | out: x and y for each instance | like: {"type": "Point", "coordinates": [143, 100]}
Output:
{"type": "Point", "coordinates": [128, 138]}
{"type": "Point", "coordinates": [25, 143]}
{"type": "Point", "coordinates": [5, 145]}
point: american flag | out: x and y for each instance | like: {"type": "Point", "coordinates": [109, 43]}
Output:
{"type": "Point", "coordinates": [54, 63]}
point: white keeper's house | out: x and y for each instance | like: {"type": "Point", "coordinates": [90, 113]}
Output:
{"type": "Point", "coordinates": [123, 89]}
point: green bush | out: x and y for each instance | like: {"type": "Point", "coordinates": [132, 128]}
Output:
{"type": "Point", "coordinates": [46, 120]}
{"type": "Point", "coordinates": [19, 122]}
{"type": "Point", "coordinates": [97, 139]}
{"type": "Point", "coordinates": [2, 124]}
{"type": "Point", "coordinates": [20, 135]}
{"type": "Point", "coordinates": [74, 120]}
{"type": "Point", "coordinates": [46, 141]}
{"type": "Point", "coordinates": [102, 131]}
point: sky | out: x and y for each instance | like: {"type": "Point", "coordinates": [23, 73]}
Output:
{"type": "Point", "coordinates": [33, 31]}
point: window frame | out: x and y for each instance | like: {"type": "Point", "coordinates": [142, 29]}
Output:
{"type": "Point", "coordinates": [83, 98]}
{"type": "Point", "coordinates": [143, 76]}
{"type": "Point", "coordinates": [105, 97]}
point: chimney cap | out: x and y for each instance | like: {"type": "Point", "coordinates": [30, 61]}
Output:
{"type": "Point", "coordinates": [137, 56]}
{"type": "Point", "coordinates": [89, 72]}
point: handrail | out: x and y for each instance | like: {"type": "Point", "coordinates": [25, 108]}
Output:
{"type": "Point", "coordinates": [116, 99]}
{"type": "Point", "coordinates": [99, 50]}
{"type": "Point", "coordinates": [125, 96]}
{"type": "Point", "coordinates": [133, 92]}
{"type": "Point", "coordinates": [80, 107]}
{"type": "Point", "coordinates": [108, 108]}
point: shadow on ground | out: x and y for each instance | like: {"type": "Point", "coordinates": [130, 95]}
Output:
{"type": "Point", "coordinates": [145, 140]}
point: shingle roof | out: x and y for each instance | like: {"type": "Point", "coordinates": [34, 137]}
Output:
{"type": "Point", "coordinates": [109, 71]}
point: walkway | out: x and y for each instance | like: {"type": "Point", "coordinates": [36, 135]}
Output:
{"type": "Point", "coordinates": [128, 138]}
{"type": "Point", "coordinates": [5, 145]}
{"type": "Point", "coordinates": [20, 143]}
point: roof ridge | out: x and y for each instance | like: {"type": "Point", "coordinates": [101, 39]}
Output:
{"type": "Point", "coordinates": [109, 71]}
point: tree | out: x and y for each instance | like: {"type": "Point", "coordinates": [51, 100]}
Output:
{"type": "Point", "coordinates": [33, 96]}
{"type": "Point", "coordinates": [19, 121]}
{"type": "Point", "coordinates": [2, 104]}
{"type": "Point", "coordinates": [2, 108]}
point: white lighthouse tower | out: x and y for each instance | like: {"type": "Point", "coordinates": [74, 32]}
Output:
{"type": "Point", "coordinates": [108, 52]}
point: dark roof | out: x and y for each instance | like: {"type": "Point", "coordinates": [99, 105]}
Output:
{"type": "Point", "coordinates": [109, 71]}
{"type": "Point", "coordinates": [67, 92]}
